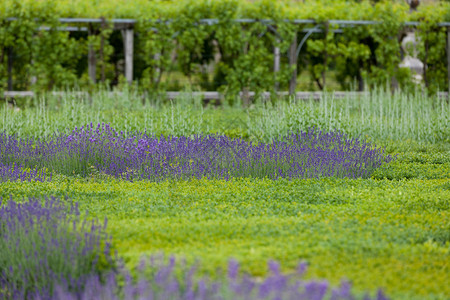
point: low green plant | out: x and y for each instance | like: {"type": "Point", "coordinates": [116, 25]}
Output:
{"type": "Point", "coordinates": [383, 233]}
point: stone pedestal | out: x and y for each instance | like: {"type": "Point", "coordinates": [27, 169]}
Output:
{"type": "Point", "coordinates": [409, 44]}
{"type": "Point", "coordinates": [410, 60]}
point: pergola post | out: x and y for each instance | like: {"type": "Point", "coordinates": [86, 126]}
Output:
{"type": "Point", "coordinates": [92, 60]}
{"type": "Point", "coordinates": [129, 48]}
{"type": "Point", "coordinates": [10, 66]}
{"type": "Point", "coordinates": [293, 65]}
{"type": "Point", "coordinates": [276, 65]}
{"type": "Point", "coordinates": [448, 59]}
{"type": "Point", "coordinates": [33, 79]}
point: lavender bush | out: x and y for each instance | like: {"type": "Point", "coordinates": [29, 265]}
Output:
{"type": "Point", "coordinates": [46, 244]}
{"type": "Point", "coordinates": [89, 150]}
{"type": "Point", "coordinates": [14, 160]}
{"type": "Point", "coordinates": [163, 285]}
{"type": "Point", "coordinates": [16, 172]}
{"type": "Point", "coordinates": [48, 254]}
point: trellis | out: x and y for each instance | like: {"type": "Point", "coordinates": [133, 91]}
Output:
{"type": "Point", "coordinates": [127, 28]}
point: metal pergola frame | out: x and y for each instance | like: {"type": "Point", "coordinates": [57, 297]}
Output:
{"type": "Point", "coordinates": [127, 27]}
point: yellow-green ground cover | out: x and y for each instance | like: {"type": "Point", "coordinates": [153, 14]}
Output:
{"type": "Point", "coordinates": [390, 231]}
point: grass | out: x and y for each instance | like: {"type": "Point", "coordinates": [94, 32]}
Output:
{"type": "Point", "coordinates": [390, 231]}
{"type": "Point", "coordinates": [381, 117]}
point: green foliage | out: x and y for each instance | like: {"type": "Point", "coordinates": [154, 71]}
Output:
{"type": "Point", "coordinates": [380, 116]}
{"type": "Point", "coordinates": [49, 56]}
{"type": "Point", "coordinates": [416, 165]}
{"type": "Point", "coordinates": [170, 37]}
{"type": "Point", "coordinates": [357, 229]}
{"type": "Point", "coordinates": [432, 48]}
{"type": "Point", "coordinates": [389, 231]}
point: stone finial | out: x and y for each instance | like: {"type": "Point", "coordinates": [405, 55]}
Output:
{"type": "Point", "coordinates": [413, 4]}
{"type": "Point", "coordinates": [410, 61]}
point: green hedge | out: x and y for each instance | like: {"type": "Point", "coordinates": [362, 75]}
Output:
{"type": "Point", "coordinates": [369, 52]}
{"type": "Point", "coordinates": [389, 234]}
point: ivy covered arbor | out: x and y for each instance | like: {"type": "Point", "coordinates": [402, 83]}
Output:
{"type": "Point", "coordinates": [233, 46]}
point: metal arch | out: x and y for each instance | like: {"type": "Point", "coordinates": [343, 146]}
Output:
{"type": "Point", "coordinates": [274, 30]}
{"type": "Point", "coordinates": [209, 22]}
{"type": "Point", "coordinates": [262, 34]}
{"type": "Point", "coordinates": [269, 28]}
{"type": "Point", "coordinates": [310, 31]}
{"type": "Point", "coordinates": [307, 35]}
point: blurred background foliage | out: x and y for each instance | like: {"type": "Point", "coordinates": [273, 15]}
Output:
{"type": "Point", "coordinates": [226, 56]}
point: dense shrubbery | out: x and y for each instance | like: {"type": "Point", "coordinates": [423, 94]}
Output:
{"type": "Point", "coordinates": [58, 59]}
{"type": "Point", "coordinates": [389, 234]}
{"type": "Point", "coordinates": [45, 255]}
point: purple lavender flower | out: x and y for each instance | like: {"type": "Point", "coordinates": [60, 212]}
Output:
{"type": "Point", "coordinates": [134, 156]}
{"type": "Point", "coordinates": [276, 286]}
{"type": "Point", "coordinates": [40, 249]}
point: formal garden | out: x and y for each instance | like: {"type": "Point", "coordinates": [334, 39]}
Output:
{"type": "Point", "coordinates": [111, 189]}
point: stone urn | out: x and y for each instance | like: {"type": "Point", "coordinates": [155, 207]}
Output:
{"type": "Point", "coordinates": [410, 59]}
{"type": "Point", "coordinates": [409, 44]}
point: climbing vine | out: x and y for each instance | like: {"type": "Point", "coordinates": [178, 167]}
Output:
{"type": "Point", "coordinates": [40, 59]}
{"type": "Point", "coordinates": [226, 55]}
